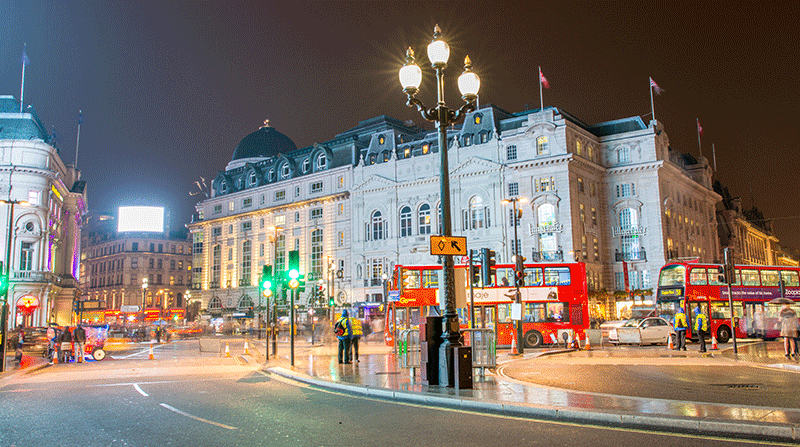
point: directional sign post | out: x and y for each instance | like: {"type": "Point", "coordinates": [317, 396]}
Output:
{"type": "Point", "coordinates": [448, 245]}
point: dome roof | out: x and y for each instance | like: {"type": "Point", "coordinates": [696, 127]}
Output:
{"type": "Point", "coordinates": [265, 142]}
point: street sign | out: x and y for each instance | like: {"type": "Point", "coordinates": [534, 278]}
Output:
{"type": "Point", "coordinates": [450, 245]}
{"type": "Point", "coordinates": [394, 295]}
{"type": "Point", "coordinates": [129, 309]}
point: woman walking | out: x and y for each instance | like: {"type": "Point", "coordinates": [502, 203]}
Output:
{"type": "Point", "coordinates": [788, 330]}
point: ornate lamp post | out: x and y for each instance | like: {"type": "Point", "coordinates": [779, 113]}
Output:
{"type": "Point", "coordinates": [468, 84]}
{"type": "Point", "coordinates": [519, 269]}
{"type": "Point", "coordinates": [144, 296]}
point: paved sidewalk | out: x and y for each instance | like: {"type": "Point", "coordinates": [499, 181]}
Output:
{"type": "Point", "coordinates": [378, 375]}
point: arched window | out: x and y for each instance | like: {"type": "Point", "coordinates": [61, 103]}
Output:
{"type": "Point", "coordinates": [245, 303]}
{"type": "Point", "coordinates": [467, 140]}
{"type": "Point", "coordinates": [405, 221]}
{"type": "Point", "coordinates": [252, 179]}
{"type": "Point", "coordinates": [271, 176]}
{"type": "Point", "coordinates": [424, 219]}
{"type": "Point", "coordinates": [629, 220]}
{"type": "Point", "coordinates": [322, 161]}
{"type": "Point", "coordinates": [240, 183]}
{"type": "Point", "coordinates": [548, 244]}
{"type": "Point", "coordinates": [381, 139]}
{"type": "Point", "coordinates": [623, 155]}
{"type": "Point", "coordinates": [247, 257]}
{"type": "Point", "coordinates": [578, 149]}
{"type": "Point", "coordinates": [285, 170]}
{"type": "Point", "coordinates": [372, 159]}
{"type": "Point", "coordinates": [542, 146]}
{"type": "Point", "coordinates": [215, 303]}
{"type": "Point", "coordinates": [306, 166]}
{"type": "Point", "coordinates": [477, 213]}
{"type": "Point", "coordinates": [478, 117]}
{"type": "Point", "coordinates": [223, 187]}
{"type": "Point", "coordinates": [377, 226]}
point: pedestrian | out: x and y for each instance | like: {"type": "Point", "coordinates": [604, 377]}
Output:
{"type": "Point", "coordinates": [758, 322]}
{"type": "Point", "coordinates": [20, 336]}
{"type": "Point", "coordinates": [65, 345]}
{"type": "Point", "coordinates": [344, 332]}
{"type": "Point", "coordinates": [158, 334]}
{"type": "Point", "coordinates": [51, 343]}
{"type": "Point", "coordinates": [79, 342]}
{"type": "Point", "coordinates": [358, 332]}
{"type": "Point", "coordinates": [680, 330]}
{"type": "Point", "coordinates": [700, 327]}
{"type": "Point", "coordinates": [788, 330]}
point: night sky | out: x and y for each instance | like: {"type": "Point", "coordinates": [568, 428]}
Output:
{"type": "Point", "coordinates": [168, 89]}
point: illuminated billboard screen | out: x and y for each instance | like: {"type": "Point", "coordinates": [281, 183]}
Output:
{"type": "Point", "coordinates": [141, 218]}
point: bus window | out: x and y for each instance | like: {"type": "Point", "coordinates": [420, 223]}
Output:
{"type": "Point", "coordinates": [400, 318]}
{"type": "Point", "coordinates": [721, 311]}
{"type": "Point", "coordinates": [770, 278]}
{"type": "Point", "coordinates": [414, 316]}
{"type": "Point", "coordinates": [749, 277]}
{"type": "Point", "coordinates": [410, 279]}
{"type": "Point", "coordinates": [505, 277]}
{"type": "Point", "coordinates": [713, 277]}
{"type": "Point", "coordinates": [790, 278]}
{"type": "Point", "coordinates": [535, 312]}
{"type": "Point", "coordinates": [533, 276]}
{"type": "Point", "coordinates": [556, 276]}
{"type": "Point", "coordinates": [504, 313]}
{"type": "Point", "coordinates": [672, 275]}
{"type": "Point", "coordinates": [697, 277]}
{"type": "Point", "coordinates": [430, 279]}
{"type": "Point", "coordinates": [558, 312]}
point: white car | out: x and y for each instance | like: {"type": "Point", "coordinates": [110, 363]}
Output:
{"type": "Point", "coordinates": [652, 330]}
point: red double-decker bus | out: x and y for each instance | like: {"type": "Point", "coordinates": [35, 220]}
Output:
{"type": "Point", "coordinates": [554, 298]}
{"type": "Point", "coordinates": [688, 284]}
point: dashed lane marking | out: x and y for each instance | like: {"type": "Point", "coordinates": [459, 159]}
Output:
{"type": "Point", "coordinates": [183, 413]}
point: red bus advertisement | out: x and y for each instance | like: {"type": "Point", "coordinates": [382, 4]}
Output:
{"type": "Point", "coordinates": [554, 297]}
{"type": "Point", "coordinates": [687, 285]}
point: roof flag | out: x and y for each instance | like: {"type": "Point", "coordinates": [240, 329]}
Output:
{"type": "Point", "coordinates": [542, 79]}
{"type": "Point", "coordinates": [656, 87]}
{"type": "Point", "coordinates": [25, 61]}
{"type": "Point", "coordinates": [699, 128]}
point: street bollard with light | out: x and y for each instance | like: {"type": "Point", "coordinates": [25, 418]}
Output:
{"type": "Point", "coordinates": [519, 270]}
{"type": "Point", "coordinates": [468, 84]}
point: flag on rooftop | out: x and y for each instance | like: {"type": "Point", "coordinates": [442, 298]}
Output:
{"type": "Point", "coordinates": [543, 80]}
{"type": "Point", "coordinates": [25, 59]}
{"type": "Point", "coordinates": [699, 127]}
{"type": "Point", "coordinates": [655, 86]}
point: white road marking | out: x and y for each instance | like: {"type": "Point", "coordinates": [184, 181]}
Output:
{"type": "Point", "coordinates": [133, 383]}
{"type": "Point", "coordinates": [183, 413]}
{"type": "Point", "coordinates": [136, 385]}
{"type": "Point", "coordinates": [144, 351]}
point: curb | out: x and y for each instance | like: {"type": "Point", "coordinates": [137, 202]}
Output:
{"type": "Point", "coordinates": [622, 419]}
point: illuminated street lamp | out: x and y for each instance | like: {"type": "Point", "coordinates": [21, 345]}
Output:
{"type": "Point", "coordinates": [7, 280]}
{"type": "Point", "coordinates": [144, 293]}
{"type": "Point", "coordinates": [519, 269]}
{"type": "Point", "coordinates": [468, 84]}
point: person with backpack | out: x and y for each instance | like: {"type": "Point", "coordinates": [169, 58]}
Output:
{"type": "Point", "coordinates": [344, 332]}
{"type": "Point", "coordinates": [700, 327]}
{"type": "Point", "coordinates": [680, 330]}
{"type": "Point", "coordinates": [79, 342]}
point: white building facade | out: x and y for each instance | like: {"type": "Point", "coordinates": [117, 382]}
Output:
{"type": "Point", "coordinates": [49, 200]}
{"type": "Point", "coordinates": [613, 195]}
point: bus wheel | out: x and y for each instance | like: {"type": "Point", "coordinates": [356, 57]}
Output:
{"type": "Point", "coordinates": [98, 354]}
{"type": "Point", "coordinates": [723, 334]}
{"type": "Point", "coordinates": [533, 339]}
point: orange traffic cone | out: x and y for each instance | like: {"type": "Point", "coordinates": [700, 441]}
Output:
{"type": "Point", "coordinates": [151, 352]}
{"type": "Point", "coordinates": [514, 345]}
{"type": "Point", "coordinates": [671, 345]}
{"type": "Point", "coordinates": [54, 360]}
{"type": "Point", "coordinates": [246, 350]}
{"type": "Point", "coordinates": [714, 343]}
{"type": "Point", "coordinates": [587, 346]}
{"type": "Point", "coordinates": [227, 350]}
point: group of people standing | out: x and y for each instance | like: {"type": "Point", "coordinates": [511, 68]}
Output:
{"type": "Point", "coordinates": [349, 333]}
{"type": "Point", "coordinates": [67, 343]}
{"type": "Point", "coordinates": [700, 328]}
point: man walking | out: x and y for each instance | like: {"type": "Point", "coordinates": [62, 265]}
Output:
{"type": "Point", "coordinates": [64, 345]}
{"type": "Point", "coordinates": [680, 330]}
{"type": "Point", "coordinates": [358, 331]}
{"type": "Point", "coordinates": [700, 327]}
{"type": "Point", "coordinates": [79, 341]}
{"type": "Point", "coordinates": [344, 332]}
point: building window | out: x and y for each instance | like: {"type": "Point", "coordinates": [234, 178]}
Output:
{"type": "Point", "coordinates": [467, 140]}
{"type": "Point", "coordinates": [623, 155]}
{"type": "Point", "coordinates": [376, 232]}
{"type": "Point", "coordinates": [628, 219]}
{"type": "Point", "coordinates": [511, 152]}
{"type": "Point", "coordinates": [216, 231]}
{"type": "Point", "coordinates": [626, 190]}
{"type": "Point", "coordinates": [426, 148]}
{"type": "Point", "coordinates": [542, 146]}
{"type": "Point", "coordinates": [297, 191]}
{"type": "Point", "coordinates": [297, 217]}
{"type": "Point", "coordinates": [578, 147]}
{"type": "Point", "coordinates": [251, 179]}
{"type": "Point", "coordinates": [280, 253]}
{"type": "Point", "coordinates": [341, 238]}
{"type": "Point", "coordinates": [582, 211]}
{"type": "Point", "coordinates": [589, 152]}
{"type": "Point", "coordinates": [316, 213]}
{"type": "Point", "coordinates": [322, 161]}
{"type": "Point", "coordinates": [247, 258]}
{"type": "Point", "coordinates": [547, 218]}
{"type": "Point", "coordinates": [405, 221]}
{"type": "Point", "coordinates": [306, 166]}
{"type": "Point", "coordinates": [484, 137]}
{"type": "Point", "coordinates": [477, 213]}
{"type": "Point", "coordinates": [217, 209]}
{"type": "Point", "coordinates": [230, 254]}
{"type": "Point", "coordinates": [280, 196]}
{"type": "Point", "coordinates": [134, 246]}
{"type": "Point", "coordinates": [216, 264]}
{"type": "Point", "coordinates": [247, 203]}
{"type": "Point", "coordinates": [316, 253]}
{"type": "Point", "coordinates": [26, 256]}
{"type": "Point", "coordinates": [134, 262]}
{"type": "Point", "coordinates": [477, 118]}
{"type": "Point", "coordinates": [223, 187]}
{"type": "Point", "coordinates": [247, 225]}
{"type": "Point", "coordinates": [316, 187]}
{"type": "Point", "coordinates": [544, 184]}
{"type": "Point", "coordinates": [407, 152]}
{"type": "Point", "coordinates": [284, 171]}
{"type": "Point", "coordinates": [424, 219]}
{"type": "Point", "coordinates": [580, 184]}
{"type": "Point", "coordinates": [594, 216]}
{"type": "Point", "coordinates": [513, 189]}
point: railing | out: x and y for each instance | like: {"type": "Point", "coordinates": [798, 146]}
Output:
{"type": "Point", "coordinates": [543, 256]}
{"type": "Point", "coordinates": [552, 228]}
{"type": "Point", "coordinates": [638, 255]}
{"type": "Point", "coordinates": [628, 231]}
{"type": "Point", "coordinates": [484, 348]}
{"type": "Point", "coordinates": [42, 276]}
{"type": "Point", "coordinates": [409, 350]}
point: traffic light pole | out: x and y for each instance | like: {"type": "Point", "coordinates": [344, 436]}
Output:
{"type": "Point", "coordinates": [292, 327]}
{"type": "Point", "coordinates": [471, 290]}
{"type": "Point", "coordinates": [729, 272]}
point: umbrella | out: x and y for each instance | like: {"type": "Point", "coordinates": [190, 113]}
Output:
{"type": "Point", "coordinates": [780, 300]}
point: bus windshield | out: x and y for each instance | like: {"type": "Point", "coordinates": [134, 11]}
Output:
{"type": "Point", "coordinates": [672, 275]}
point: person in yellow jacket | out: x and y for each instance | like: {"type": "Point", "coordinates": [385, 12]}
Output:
{"type": "Point", "coordinates": [701, 327]}
{"type": "Point", "coordinates": [680, 330]}
{"type": "Point", "coordinates": [358, 332]}
{"type": "Point", "coordinates": [344, 332]}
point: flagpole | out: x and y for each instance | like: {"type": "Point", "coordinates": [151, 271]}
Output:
{"type": "Point", "coordinates": [699, 145]}
{"type": "Point", "coordinates": [22, 87]}
{"type": "Point", "coordinates": [714, 156]}
{"type": "Point", "coordinates": [78, 142]}
{"type": "Point", "coordinates": [541, 99]}
{"type": "Point", "coordinates": [652, 106]}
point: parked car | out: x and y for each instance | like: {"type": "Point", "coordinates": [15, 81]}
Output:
{"type": "Point", "coordinates": [652, 330]}
{"type": "Point", "coordinates": [35, 340]}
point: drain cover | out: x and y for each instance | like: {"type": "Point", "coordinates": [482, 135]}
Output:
{"type": "Point", "coordinates": [388, 372]}
{"type": "Point", "coordinates": [752, 386]}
